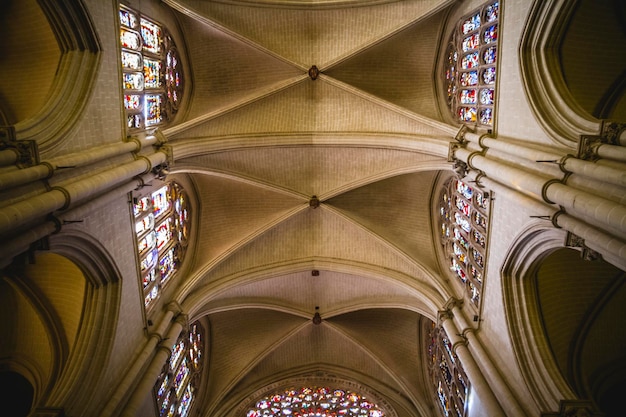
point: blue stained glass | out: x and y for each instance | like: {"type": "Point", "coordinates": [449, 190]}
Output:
{"type": "Point", "coordinates": [128, 19]}
{"type": "Point", "coordinates": [468, 96]}
{"type": "Point", "coordinates": [468, 78]}
{"type": "Point", "coordinates": [490, 55]}
{"type": "Point", "coordinates": [470, 61]}
{"type": "Point", "coordinates": [489, 75]}
{"type": "Point", "coordinates": [486, 96]}
{"type": "Point", "coordinates": [491, 34]}
{"type": "Point", "coordinates": [486, 116]}
{"type": "Point", "coordinates": [470, 24]}
{"type": "Point", "coordinates": [491, 13]}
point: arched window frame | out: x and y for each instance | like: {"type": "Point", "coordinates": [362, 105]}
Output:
{"type": "Point", "coordinates": [152, 77]}
{"type": "Point", "coordinates": [464, 222]}
{"type": "Point", "coordinates": [316, 400]}
{"type": "Point", "coordinates": [174, 391]}
{"type": "Point", "coordinates": [162, 229]}
{"type": "Point", "coordinates": [471, 66]}
{"type": "Point", "coordinates": [449, 380]}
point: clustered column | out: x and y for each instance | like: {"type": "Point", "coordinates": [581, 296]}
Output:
{"type": "Point", "coordinates": [584, 194]}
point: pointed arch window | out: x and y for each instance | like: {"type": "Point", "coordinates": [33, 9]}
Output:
{"type": "Point", "coordinates": [315, 401]}
{"type": "Point", "coordinates": [470, 70]}
{"type": "Point", "coordinates": [152, 77]}
{"type": "Point", "coordinates": [175, 390]}
{"type": "Point", "coordinates": [464, 217]}
{"type": "Point", "coordinates": [446, 373]}
{"type": "Point", "coordinates": [162, 229]}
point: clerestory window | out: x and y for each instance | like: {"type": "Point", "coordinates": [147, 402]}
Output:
{"type": "Point", "coordinates": [464, 221]}
{"type": "Point", "coordinates": [175, 390]}
{"type": "Point", "coordinates": [162, 229]}
{"type": "Point", "coordinates": [446, 373]}
{"type": "Point", "coordinates": [470, 70]}
{"type": "Point", "coordinates": [152, 77]}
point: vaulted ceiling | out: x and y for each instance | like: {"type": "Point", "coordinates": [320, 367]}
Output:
{"type": "Point", "coordinates": [312, 195]}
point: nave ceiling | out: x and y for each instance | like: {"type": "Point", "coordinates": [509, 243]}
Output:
{"type": "Point", "coordinates": [259, 140]}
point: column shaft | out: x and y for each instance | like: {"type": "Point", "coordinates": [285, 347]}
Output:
{"type": "Point", "coordinates": [151, 374]}
{"type": "Point", "coordinates": [478, 382]}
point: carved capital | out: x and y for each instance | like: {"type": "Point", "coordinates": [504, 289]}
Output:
{"type": "Point", "coordinates": [26, 150]}
{"type": "Point", "coordinates": [574, 408]}
{"type": "Point", "coordinates": [611, 132]}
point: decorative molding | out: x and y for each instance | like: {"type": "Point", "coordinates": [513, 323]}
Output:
{"type": "Point", "coordinates": [548, 94]}
{"type": "Point", "coordinates": [78, 67]}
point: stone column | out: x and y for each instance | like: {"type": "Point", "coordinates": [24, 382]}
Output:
{"type": "Point", "coordinates": [151, 374]}
{"type": "Point", "coordinates": [479, 384]}
{"type": "Point", "coordinates": [128, 380]}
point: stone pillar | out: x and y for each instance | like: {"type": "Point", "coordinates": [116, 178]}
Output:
{"type": "Point", "coordinates": [479, 384]}
{"type": "Point", "coordinates": [151, 374]}
{"type": "Point", "coordinates": [59, 198]}
{"type": "Point", "coordinates": [128, 380]}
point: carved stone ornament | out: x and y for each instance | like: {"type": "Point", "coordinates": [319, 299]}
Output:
{"type": "Point", "coordinates": [314, 72]}
{"type": "Point", "coordinates": [611, 132]}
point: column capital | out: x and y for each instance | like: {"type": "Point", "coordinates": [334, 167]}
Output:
{"type": "Point", "coordinates": [574, 408]}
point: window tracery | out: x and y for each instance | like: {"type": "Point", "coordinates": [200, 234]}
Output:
{"type": "Point", "coordinates": [470, 70]}
{"type": "Point", "coordinates": [162, 229]}
{"type": "Point", "coordinates": [446, 373]}
{"type": "Point", "coordinates": [175, 389]}
{"type": "Point", "coordinates": [463, 213]}
{"type": "Point", "coordinates": [315, 401]}
{"type": "Point", "coordinates": [151, 71]}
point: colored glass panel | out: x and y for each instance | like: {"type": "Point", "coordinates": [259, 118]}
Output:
{"type": "Point", "coordinates": [131, 101]}
{"type": "Point", "coordinates": [177, 354]}
{"type": "Point", "coordinates": [467, 79]}
{"type": "Point", "coordinates": [167, 265]}
{"type": "Point", "coordinates": [134, 121]}
{"type": "Point", "coordinates": [160, 201]}
{"type": "Point", "coordinates": [322, 402]}
{"type": "Point", "coordinates": [128, 19]}
{"type": "Point", "coordinates": [149, 260]}
{"type": "Point", "coordinates": [486, 96]}
{"type": "Point", "coordinates": [153, 109]}
{"type": "Point", "coordinates": [131, 60]}
{"type": "Point", "coordinates": [469, 61]}
{"type": "Point", "coordinates": [152, 73]}
{"type": "Point", "coordinates": [463, 189]}
{"type": "Point", "coordinates": [478, 238]}
{"type": "Point", "coordinates": [149, 278]}
{"type": "Point", "coordinates": [470, 42]}
{"type": "Point", "coordinates": [468, 96]}
{"type": "Point", "coordinates": [490, 34]}
{"type": "Point", "coordinates": [130, 40]}
{"type": "Point", "coordinates": [463, 206]}
{"type": "Point", "coordinates": [164, 233]}
{"type": "Point", "coordinates": [489, 75]}
{"type": "Point", "coordinates": [146, 223]}
{"type": "Point", "coordinates": [489, 55]}
{"type": "Point", "coordinates": [470, 24]}
{"type": "Point", "coordinates": [147, 242]}
{"type": "Point", "coordinates": [480, 220]}
{"type": "Point", "coordinates": [486, 116]}
{"type": "Point", "coordinates": [133, 81]}
{"type": "Point", "coordinates": [467, 114]}
{"type": "Point", "coordinates": [151, 35]}
{"type": "Point", "coordinates": [152, 295]}
{"type": "Point", "coordinates": [492, 11]}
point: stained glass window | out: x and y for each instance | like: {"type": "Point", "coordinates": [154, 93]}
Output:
{"type": "Point", "coordinates": [161, 227]}
{"type": "Point", "coordinates": [464, 218]}
{"type": "Point", "coordinates": [175, 389]}
{"type": "Point", "coordinates": [315, 401]}
{"type": "Point", "coordinates": [152, 73]}
{"type": "Point", "coordinates": [447, 376]}
{"type": "Point", "coordinates": [470, 69]}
